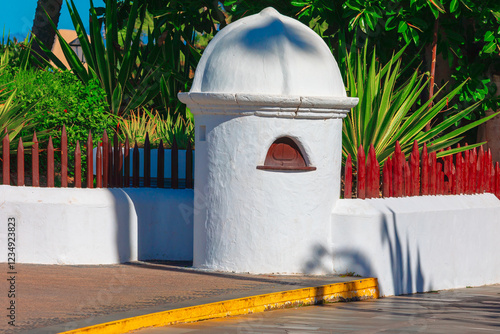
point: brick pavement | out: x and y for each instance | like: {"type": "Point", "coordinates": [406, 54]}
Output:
{"type": "Point", "coordinates": [51, 298]}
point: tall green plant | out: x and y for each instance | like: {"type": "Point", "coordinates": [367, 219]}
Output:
{"type": "Point", "coordinates": [13, 119]}
{"type": "Point", "coordinates": [390, 110]}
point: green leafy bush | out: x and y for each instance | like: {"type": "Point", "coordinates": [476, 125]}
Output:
{"type": "Point", "coordinates": [59, 99]}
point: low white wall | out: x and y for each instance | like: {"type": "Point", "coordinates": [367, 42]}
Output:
{"type": "Point", "coordinates": [417, 244]}
{"type": "Point", "coordinates": [97, 226]}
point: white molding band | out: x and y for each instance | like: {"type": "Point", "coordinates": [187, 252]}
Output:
{"type": "Point", "coordinates": [268, 105]}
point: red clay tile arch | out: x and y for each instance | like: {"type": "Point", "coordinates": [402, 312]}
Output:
{"type": "Point", "coordinates": [285, 154]}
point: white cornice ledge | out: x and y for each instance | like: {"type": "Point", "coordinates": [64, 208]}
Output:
{"type": "Point", "coordinates": [268, 105]}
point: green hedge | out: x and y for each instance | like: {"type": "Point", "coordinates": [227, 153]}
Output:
{"type": "Point", "coordinates": [61, 99]}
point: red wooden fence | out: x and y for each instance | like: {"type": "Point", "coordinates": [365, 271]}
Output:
{"type": "Point", "coordinates": [470, 172]}
{"type": "Point", "coordinates": [112, 164]}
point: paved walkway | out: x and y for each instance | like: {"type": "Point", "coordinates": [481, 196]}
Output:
{"type": "Point", "coordinates": [53, 298]}
{"type": "Point", "coordinates": [470, 310]}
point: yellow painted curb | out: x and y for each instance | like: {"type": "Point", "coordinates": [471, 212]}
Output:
{"type": "Point", "coordinates": [366, 288]}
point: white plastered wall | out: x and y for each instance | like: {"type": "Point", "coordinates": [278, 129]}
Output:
{"type": "Point", "coordinates": [417, 244]}
{"type": "Point", "coordinates": [97, 226]}
{"type": "Point", "coordinates": [260, 221]}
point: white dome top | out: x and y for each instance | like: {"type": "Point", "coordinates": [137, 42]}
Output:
{"type": "Point", "coordinates": [271, 54]}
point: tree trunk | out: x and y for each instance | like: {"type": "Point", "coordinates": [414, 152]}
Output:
{"type": "Point", "coordinates": [433, 67]}
{"type": "Point", "coordinates": [41, 25]}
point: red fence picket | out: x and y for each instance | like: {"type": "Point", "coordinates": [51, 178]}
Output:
{"type": "Point", "coordinates": [422, 174]}
{"type": "Point", "coordinates": [348, 177]}
{"type": "Point", "coordinates": [90, 162]}
{"type": "Point", "coordinates": [50, 163]}
{"type": "Point", "coordinates": [64, 158]}
{"type": "Point", "coordinates": [35, 162]}
{"type": "Point", "coordinates": [20, 163]}
{"type": "Point", "coordinates": [361, 174]}
{"type": "Point", "coordinates": [117, 168]}
{"type": "Point", "coordinates": [78, 166]}
{"type": "Point", "coordinates": [6, 159]}
{"type": "Point", "coordinates": [98, 166]}
{"type": "Point", "coordinates": [105, 159]}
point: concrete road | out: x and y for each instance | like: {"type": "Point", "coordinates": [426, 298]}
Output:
{"type": "Point", "coordinates": [469, 310]}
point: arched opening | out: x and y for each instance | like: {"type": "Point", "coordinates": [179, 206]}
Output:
{"type": "Point", "coordinates": [285, 154]}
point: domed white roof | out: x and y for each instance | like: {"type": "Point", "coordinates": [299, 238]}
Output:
{"type": "Point", "coordinates": [271, 54]}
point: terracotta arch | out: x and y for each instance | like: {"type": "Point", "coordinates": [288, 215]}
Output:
{"type": "Point", "coordinates": [285, 154]}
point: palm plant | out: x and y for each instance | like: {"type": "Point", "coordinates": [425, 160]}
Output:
{"type": "Point", "coordinates": [13, 119]}
{"type": "Point", "coordinates": [390, 110]}
{"type": "Point", "coordinates": [128, 82]}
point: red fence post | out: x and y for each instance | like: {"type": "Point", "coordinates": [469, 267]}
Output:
{"type": "Point", "coordinates": [64, 158]}
{"type": "Point", "coordinates": [373, 173]}
{"type": "Point", "coordinates": [473, 171]}
{"type": "Point", "coordinates": [90, 162]}
{"type": "Point", "coordinates": [116, 161]}
{"type": "Point", "coordinates": [35, 162]}
{"type": "Point", "coordinates": [50, 163]}
{"type": "Point", "coordinates": [387, 178]}
{"type": "Point", "coordinates": [98, 166]}
{"type": "Point", "coordinates": [126, 153]}
{"type": "Point", "coordinates": [20, 163]}
{"type": "Point", "coordinates": [415, 170]}
{"type": "Point", "coordinates": [424, 184]}
{"type": "Point", "coordinates": [105, 160]}
{"type": "Point", "coordinates": [491, 173]}
{"type": "Point", "coordinates": [6, 159]}
{"type": "Point", "coordinates": [78, 166]}
{"type": "Point", "coordinates": [160, 170]}
{"type": "Point", "coordinates": [111, 178]}
{"type": "Point", "coordinates": [135, 167]}
{"type": "Point", "coordinates": [147, 162]}
{"type": "Point", "coordinates": [175, 164]}
{"type": "Point", "coordinates": [369, 175]}
{"type": "Point", "coordinates": [189, 167]}
{"type": "Point", "coordinates": [480, 170]}
{"type": "Point", "coordinates": [497, 180]}
{"type": "Point", "coordinates": [397, 165]}
{"type": "Point", "coordinates": [459, 174]}
{"type": "Point", "coordinates": [348, 177]}
{"type": "Point", "coordinates": [433, 174]}
{"type": "Point", "coordinates": [361, 174]}
{"type": "Point", "coordinates": [407, 179]}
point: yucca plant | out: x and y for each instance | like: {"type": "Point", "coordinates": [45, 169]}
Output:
{"type": "Point", "coordinates": [13, 119]}
{"type": "Point", "coordinates": [390, 110]}
{"type": "Point", "coordinates": [140, 123]}
{"type": "Point", "coordinates": [128, 82]}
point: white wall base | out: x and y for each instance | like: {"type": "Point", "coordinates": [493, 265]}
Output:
{"type": "Point", "coordinates": [417, 244]}
{"type": "Point", "coordinates": [97, 226]}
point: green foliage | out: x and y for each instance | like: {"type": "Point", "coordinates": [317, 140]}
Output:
{"type": "Point", "coordinates": [390, 110]}
{"type": "Point", "coordinates": [13, 118]}
{"type": "Point", "coordinates": [137, 125]}
{"type": "Point", "coordinates": [468, 35]}
{"type": "Point", "coordinates": [126, 75]}
{"type": "Point", "coordinates": [59, 98]}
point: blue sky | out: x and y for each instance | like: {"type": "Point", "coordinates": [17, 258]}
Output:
{"type": "Point", "coordinates": [17, 16]}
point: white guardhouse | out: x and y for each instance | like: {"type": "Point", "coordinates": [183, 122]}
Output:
{"type": "Point", "coordinates": [268, 100]}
